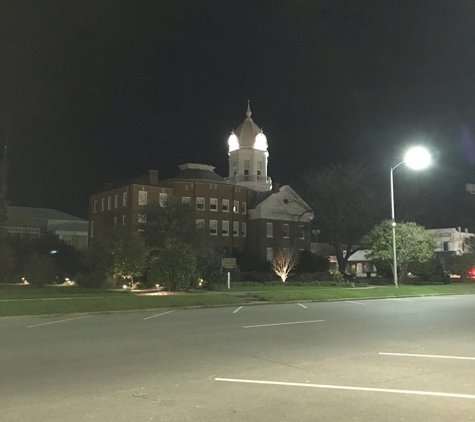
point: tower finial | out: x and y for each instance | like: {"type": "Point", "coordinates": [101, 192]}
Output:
{"type": "Point", "coordinates": [248, 112]}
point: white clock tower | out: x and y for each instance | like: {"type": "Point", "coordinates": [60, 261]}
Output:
{"type": "Point", "coordinates": [248, 156]}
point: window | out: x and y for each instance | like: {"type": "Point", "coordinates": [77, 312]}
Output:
{"type": "Point", "coordinates": [103, 204]}
{"type": "Point", "coordinates": [270, 229]}
{"type": "Point", "coordinates": [115, 221]}
{"type": "Point", "coordinates": [213, 204]}
{"type": "Point", "coordinates": [143, 197]}
{"type": "Point", "coordinates": [142, 219]}
{"type": "Point", "coordinates": [124, 220]}
{"type": "Point", "coordinates": [200, 204]}
{"type": "Point", "coordinates": [446, 246]}
{"type": "Point", "coordinates": [213, 227]}
{"type": "Point", "coordinates": [285, 231]}
{"type": "Point", "coordinates": [116, 200]}
{"type": "Point", "coordinates": [244, 207]}
{"type": "Point", "coordinates": [302, 232]}
{"type": "Point", "coordinates": [124, 199]}
{"type": "Point", "coordinates": [236, 206]}
{"type": "Point", "coordinates": [92, 228]}
{"type": "Point", "coordinates": [236, 228]}
{"type": "Point", "coordinates": [200, 223]}
{"type": "Point", "coordinates": [243, 229]}
{"type": "Point", "coordinates": [109, 202]}
{"type": "Point", "coordinates": [225, 228]}
{"type": "Point", "coordinates": [162, 199]}
{"type": "Point", "coordinates": [225, 206]}
{"type": "Point", "coordinates": [269, 254]}
{"type": "Point", "coordinates": [186, 200]}
{"type": "Point", "coordinates": [95, 206]}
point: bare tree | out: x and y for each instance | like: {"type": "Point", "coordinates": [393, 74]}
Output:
{"type": "Point", "coordinates": [283, 262]}
{"type": "Point", "coordinates": [343, 199]}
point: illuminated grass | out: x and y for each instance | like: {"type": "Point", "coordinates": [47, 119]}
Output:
{"type": "Point", "coordinates": [319, 293]}
{"type": "Point", "coordinates": [105, 303]}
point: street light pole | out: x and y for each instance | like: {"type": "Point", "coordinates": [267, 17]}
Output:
{"type": "Point", "coordinates": [416, 158]}
{"type": "Point", "coordinates": [393, 223]}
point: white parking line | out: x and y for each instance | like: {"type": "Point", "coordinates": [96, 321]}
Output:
{"type": "Point", "coordinates": [356, 303]}
{"type": "Point", "coordinates": [427, 356]}
{"type": "Point", "coordinates": [343, 387]}
{"type": "Point", "coordinates": [282, 323]}
{"type": "Point", "coordinates": [237, 310]}
{"type": "Point", "coordinates": [163, 313]}
{"type": "Point", "coordinates": [402, 300]}
{"type": "Point", "coordinates": [303, 306]}
{"type": "Point", "coordinates": [56, 322]}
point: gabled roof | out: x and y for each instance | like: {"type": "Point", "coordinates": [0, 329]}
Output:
{"type": "Point", "coordinates": [285, 204]}
{"type": "Point", "coordinates": [40, 213]}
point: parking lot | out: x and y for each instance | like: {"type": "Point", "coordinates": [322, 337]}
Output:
{"type": "Point", "coordinates": [408, 359]}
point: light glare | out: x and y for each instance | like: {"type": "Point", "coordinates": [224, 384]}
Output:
{"type": "Point", "coordinates": [417, 158]}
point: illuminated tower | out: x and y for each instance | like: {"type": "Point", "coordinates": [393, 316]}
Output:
{"type": "Point", "coordinates": [248, 156]}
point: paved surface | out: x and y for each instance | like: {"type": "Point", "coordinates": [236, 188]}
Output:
{"type": "Point", "coordinates": [374, 360]}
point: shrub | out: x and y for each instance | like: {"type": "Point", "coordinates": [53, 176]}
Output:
{"type": "Point", "coordinates": [93, 280]}
{"type": "Point", "coordinates": [175, 267]}
{"type": "Point", "coordinates": [40, 270]}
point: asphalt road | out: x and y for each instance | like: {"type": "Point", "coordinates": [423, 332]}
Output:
{"type": "Point", "coordinates": [374, 360]}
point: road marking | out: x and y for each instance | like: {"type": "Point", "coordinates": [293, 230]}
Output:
{"type": "Point", "coordinates": [356, 303]}
{"type": "Point", "coordinates": [303, 306]}
{"type": "Point", "coordinates": [163, 313]}
{"type": "Point", "coordinates": [427, 356]}
{"type": "Point", "coordinates": [402, 300]}
{"type": "Point", "coordinates": [237, 310]}
{"type": "Point", "coordinates": [282, 323]}
{"type": "Point", "coordinates": [56, 322]}
{"type": "Point", "coordinates": [343, 387]}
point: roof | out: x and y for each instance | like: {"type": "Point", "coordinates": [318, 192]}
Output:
{"type": "Point", "coordinates": [76, 226]}
{"type": "Point", "coordinates": [199, 173]}
{"type": "Point", "coordinates": [40, 213]}
{"type": "Point", "coordinates": [247, 130]}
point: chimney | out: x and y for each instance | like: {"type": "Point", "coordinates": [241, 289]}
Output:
{"type": "Point", "coordinates": [466, 230]}
{"type": "Point", "coordinates": [275, 187]}
{"type": "Point", "coordinates": [153, 177]}
{"type": "Point", "coordinates": [459, 229]}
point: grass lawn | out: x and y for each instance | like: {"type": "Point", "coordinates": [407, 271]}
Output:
{"type": "Point", "coordinates": [329, 293]}
{"type": "Point", "coordinates": [28, 300]}
{"type": "Point", "coordinates": [104, 302]}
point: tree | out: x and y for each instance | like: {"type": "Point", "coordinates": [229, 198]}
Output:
{"type": "Point", "coordinates": [121, 253]}
{"type": "Point", "coordinates": [344, 202]}
{"type": "Point", "coordinates": [41, 270]}
{"type": "Point", "coordinates": [173, 223]}
{"type": "Point", "coordinates": [310, 262]}
{"type": "Point", "coordinates": [174, 268]}
{"type": "Point", "coordinates": [413, 244]}
{"type": "Point", "coordinates": [283, 263]}
{"type": "Point", "coordinates": [461, 264]}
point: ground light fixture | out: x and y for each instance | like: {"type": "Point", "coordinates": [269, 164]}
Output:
{"type": "Point", "coordinates": [416, 158]}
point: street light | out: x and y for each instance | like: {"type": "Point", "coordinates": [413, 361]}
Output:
{"type": "Point", "coordinates": [416, 158]}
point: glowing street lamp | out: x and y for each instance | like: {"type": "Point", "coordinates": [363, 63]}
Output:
{"type": "Point", "coordinates": [416, 158]}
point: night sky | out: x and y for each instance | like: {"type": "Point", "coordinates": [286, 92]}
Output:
{"type": "Point", "coordinates": [100, 91]}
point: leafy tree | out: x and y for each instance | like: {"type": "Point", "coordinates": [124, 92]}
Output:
{"type": "Point", "coordinates": [7, 260]}
{"type": "Point", "coordinates": [174, 268]}
{"type": "Point", "coordinates": [283, 263]}
{"type": "Point", "coordinates": [431, 269]}
{"type": "Point", "coordinates": [343, 199]}
{"type": "Point", "coordinates": [176, 223]}
{"type": "Point", "coordinates": [413, 244]}
{"type": "Point", "coordinates": [461, 264]}
{"type": "Point", "coordinates": [41, 270]}
{"type": "Point", "coordinates": [121, 253]}
{"type": "Point", "coordinates": [310, 262]}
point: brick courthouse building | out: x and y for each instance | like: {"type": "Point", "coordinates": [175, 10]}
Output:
{"type": "Point", "coordinates": [243, 212]}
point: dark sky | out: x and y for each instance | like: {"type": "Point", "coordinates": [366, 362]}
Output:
{"type": "Point", "coordinates": [99, 91]}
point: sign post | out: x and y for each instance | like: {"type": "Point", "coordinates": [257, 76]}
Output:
{"type": "Point", "coordinates": [229, 264]}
